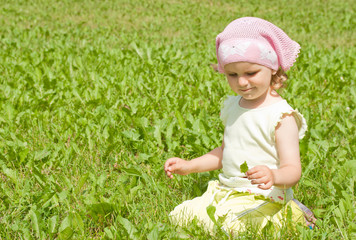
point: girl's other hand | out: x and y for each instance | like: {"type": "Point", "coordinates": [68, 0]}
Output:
{"type": "Point", "coordinates": [177, 166]}
{"type": "Point", "coordinates": [261, 175]}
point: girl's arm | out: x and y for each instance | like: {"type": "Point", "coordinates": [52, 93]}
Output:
{"type": "Point", "coordinates": [289, 172]}
{"type": "Point", "coordinates": [287, 143]}
{"type": "Point", "coordinates": [208, 162]}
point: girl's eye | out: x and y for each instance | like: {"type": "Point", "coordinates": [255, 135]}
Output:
{"type": "Point", "coordinates": [251, 73]}
{"type": "Point", "coordinates": [232, 74]}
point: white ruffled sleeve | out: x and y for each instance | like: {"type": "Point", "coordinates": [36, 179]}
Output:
{"type": "Point", "coordinates": [300, 120]}
{"type": "Point", "coordinates": [229, 102]}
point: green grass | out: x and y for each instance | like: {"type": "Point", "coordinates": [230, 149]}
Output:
{"type": "Point", "coordinates": [96, 95]}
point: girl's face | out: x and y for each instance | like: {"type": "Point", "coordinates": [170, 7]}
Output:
{"type": "Point", "coordinates": [249, 80]}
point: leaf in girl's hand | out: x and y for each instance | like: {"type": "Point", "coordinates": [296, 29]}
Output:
{"type": "Point", "coordinates": [244, 167]}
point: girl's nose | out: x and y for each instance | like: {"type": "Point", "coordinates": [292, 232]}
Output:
{"type": "Point", "coordinates": [242, 81]}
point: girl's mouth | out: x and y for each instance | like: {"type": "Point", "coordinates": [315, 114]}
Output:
{"type": "Point", "coordinates": [246, 90]}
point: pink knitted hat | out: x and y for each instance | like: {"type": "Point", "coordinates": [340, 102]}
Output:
{"type": "Point", "coordinates": [255, 40]}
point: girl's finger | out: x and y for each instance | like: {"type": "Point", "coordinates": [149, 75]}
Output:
{"type": "Point", "coordinates": [256, 175]}
{"type": "Point", "coordinates": [169, 174]}
{"type": "Point", "coordinates": [172, 168]}
{"type": "Point", "coordinates": [264, 179]}
{"type": "Point", "coordinates": [266, 186]}
{"type": "Point", "coordinates": [251, 171]}
{"type": "Point", "coordinates": [169, 162]}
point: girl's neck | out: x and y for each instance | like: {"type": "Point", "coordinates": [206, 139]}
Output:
{"type": "Point", "coordinates": [266, 99]}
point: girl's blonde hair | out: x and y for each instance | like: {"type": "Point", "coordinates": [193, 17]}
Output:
{"type": "Point", "coordinates": [278, 79]}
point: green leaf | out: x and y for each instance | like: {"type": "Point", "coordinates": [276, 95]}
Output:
{"type": "Point", "coordinates": [180, 121]}
{"type": "Point", "coordinates": [108, 233]}
{"type": "Point", "coordinates": [138, 51]}
{"type": "Point", "coordinates": [39, 155]}
{"type": "Point", "coordinates": [40, 178]}
{"type": "Point", "coordinates": [211, 213]}
{"type": "Point", "coordinates": [350, 168]}
{"type": "Point", "coordinates": [132, 135]}
{"type": "Point", "coordinates": [66, 234]}
{"type": "Point", "coordinates": [35, 219]}
{"type": "Point", "coordinates": [12, 174]}
{"type": "Point", "coordinates": [154, 234]}
{"type": "Point", "coordinates": [23, 154]}
{"type": "Point", "coordinates": [129, 227]}
{"type": "Point", "coordinates": [157, 133]}
{"type": "Point", "coordinates": [77, 222]}
{"type": "Point", "coordinates": [135, 172]}
{"type": "Point", "coordinates": [101, 208]}
{"type": "Point", "coordinates": [81, 183]}
{"type": "Point", "coordinates": [338, 213]}
{"type": "Point", "coordinates": [169, 132]}
{"type": "Point", "coordinates": [244, 167]}
{"type": "Point", "coordinates": [66, 222]}
{"type": "Point", "coordinates": [53, 224]}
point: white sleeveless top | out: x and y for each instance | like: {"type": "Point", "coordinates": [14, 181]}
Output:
{"type": "Point", "coordinates": [250, 136]}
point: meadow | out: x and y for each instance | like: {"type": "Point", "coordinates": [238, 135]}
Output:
{"type": "Point", "coordinates": [96, 95]}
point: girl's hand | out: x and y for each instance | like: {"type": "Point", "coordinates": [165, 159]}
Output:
{"type": "Point", "coordinates": [176, 165]}
{"type": "Point", "coordinates": [261, 175]}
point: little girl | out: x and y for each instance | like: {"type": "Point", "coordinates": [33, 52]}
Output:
{"type": "Point", "coordinates": [261, 130]}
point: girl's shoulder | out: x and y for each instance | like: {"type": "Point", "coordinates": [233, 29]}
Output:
{"type": "Point", "coordinates": [285, 109]}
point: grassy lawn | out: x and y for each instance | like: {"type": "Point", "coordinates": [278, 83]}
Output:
{"type": "Point", "coordinates": [96, 95]}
